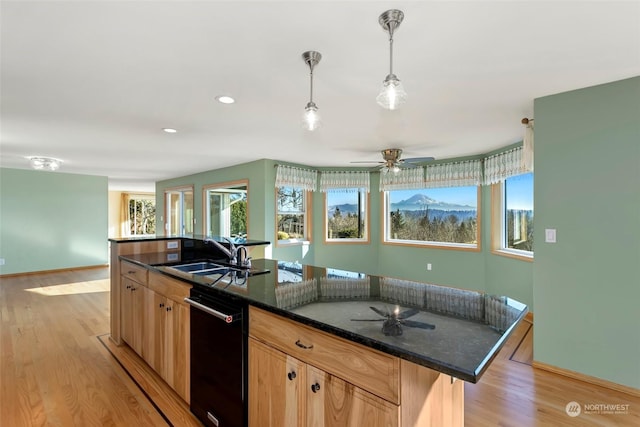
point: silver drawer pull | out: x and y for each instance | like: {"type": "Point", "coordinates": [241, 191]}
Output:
{"type": "Point", "coordinates": [228, 318]}
{"type": "Point", "coordinates": [306, 347]}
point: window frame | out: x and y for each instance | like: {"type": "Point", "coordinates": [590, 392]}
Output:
{"type": "Point", "coordinates": [205, 202]}
{"type": "Point", "coordinates": [307, 212]}
{"type": "Point", "coordinates": [168, 212]}
{"type": "Point", "coordinates": [367, 217]}
{"type": "Point", "coordinates": [498, 227]}
{"type": "Point", "coordinates": [465, 247]}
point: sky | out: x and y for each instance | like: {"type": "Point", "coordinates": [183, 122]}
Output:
{"type": "Point", "coordinates": [520, 192]}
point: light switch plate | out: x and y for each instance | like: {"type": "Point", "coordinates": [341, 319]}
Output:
{"type": "Point", "coordinates": [550, 235]}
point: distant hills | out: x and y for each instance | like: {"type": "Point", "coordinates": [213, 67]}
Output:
{"type": "Point", "coordinates": [421, 202]}
{"type": "Point", "coordinates": [417, 202]}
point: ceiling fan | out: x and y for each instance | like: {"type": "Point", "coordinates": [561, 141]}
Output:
{"type": "Point", "coordinates": [394, 320]}
{"type": "Point", "coordinates": [392, 161]}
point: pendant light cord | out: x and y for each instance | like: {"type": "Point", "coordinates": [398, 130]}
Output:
{"type": "Point", "coordinates": [390, 51]}
{"type": "Point", "coordinates": [311, 83]}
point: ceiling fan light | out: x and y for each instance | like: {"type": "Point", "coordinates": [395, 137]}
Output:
{"type": "Point", "coordinates": [392, 95]}
{"type": "Point", "coordinates": [311, 117]}
{"type": "Point", "coordinates": [44, 163]}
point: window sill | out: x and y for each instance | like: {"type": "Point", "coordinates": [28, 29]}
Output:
{"type": "Point", "coordinates": [293, 242]}
{"type": "Point", "coordinates": [435, 245]}
{"type": "Point", "coordinates": [346, 241]}
{"type": "Point", "coordinates": [521, 255]}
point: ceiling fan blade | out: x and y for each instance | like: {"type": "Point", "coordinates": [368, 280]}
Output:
{"type": "Point", "coordinates": [380, 312]}
{"type": "Point", "coordinates": [419, 159]}
{"type": "Point", "coordinates": [408, 313]}
{"type": "Point", "coordinates": [421, 325]}
{"type": "Point", "coordinates": [368, 161]}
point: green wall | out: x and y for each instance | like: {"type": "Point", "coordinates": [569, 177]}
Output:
{"type": "Point", "coordinates": [52, 220]}
{"type": "Point", "coordinates": [586, 286]}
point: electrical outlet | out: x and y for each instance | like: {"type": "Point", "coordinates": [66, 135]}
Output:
{"type": "Point", "coordinates": [172, 245]}
{"type": "Point", "coordinates": [1, 261]}
{"type": "Point", "coordinates": [429, 267]}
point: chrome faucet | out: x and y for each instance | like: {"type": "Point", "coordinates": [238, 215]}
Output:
{"type": "Point", "coordinates": [230, 253]}
{"type": "Point", "coordinates": [243, 259]}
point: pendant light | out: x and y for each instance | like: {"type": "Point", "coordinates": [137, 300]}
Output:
{"type": "Point", "coordinates": [311, 118]}
{"type": "Point", "coordinates": [392, 94]}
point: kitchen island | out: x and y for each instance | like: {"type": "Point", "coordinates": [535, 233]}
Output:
{"type": "Point", "coordinates": [353, 349]}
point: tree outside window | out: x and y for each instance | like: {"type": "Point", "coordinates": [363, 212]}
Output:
{"type": "Point", "coordinates": [346, 215]}
{"type": "Point", "coordinates": [433, 216]}
{"type": "Point", "coordinates": [291, 205]}
{"type": "Point", "coordinates": [142, 215]}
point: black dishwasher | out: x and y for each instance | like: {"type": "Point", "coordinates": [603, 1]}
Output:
{"type": "Point", "coordinates": [218, 358]}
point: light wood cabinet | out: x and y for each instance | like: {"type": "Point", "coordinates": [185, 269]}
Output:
{"type": "Point", "coordinates": [132, 313]}
{"type": "Point", "coordinates": [154, 322]}
{"type": "Point", "coordinates": [284, 391]}
{"type": "Point", "coordinates": [167, 344]}
{"type": "Point", "coordinates": [276, 387]}
{"type": "Point", "coordinates": [301, 376]}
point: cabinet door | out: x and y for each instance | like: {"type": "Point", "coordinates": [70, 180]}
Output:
{"type": "Point", "coordinates": [276, 388]}
{"type": "Point", "coordinates": [132, 313]}
{"type": "Point", "coordinates": [155, 320]}
{"type": "Point", "coordinates": [126, 310]}
{"type": "Point", "coordinates": [332, 401]}
{"type": "Point", "coordinates": [175, 367]}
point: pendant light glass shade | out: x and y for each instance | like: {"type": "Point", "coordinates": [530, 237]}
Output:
{"type": "Point", "coordinates": [311, 118]}
{"type": "Point", "coordinates": [392, 94]}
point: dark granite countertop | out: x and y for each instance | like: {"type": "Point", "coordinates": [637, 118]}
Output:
{"type": "Point", "coordinates": [190, 237]}
{"type": "Point", "coordinates": [469, 327]}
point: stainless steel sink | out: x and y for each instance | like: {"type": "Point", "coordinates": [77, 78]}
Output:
{"type": "Point", "coordinates": [203, 268]}
{"type": "Point", "coordinates": [197, 266]}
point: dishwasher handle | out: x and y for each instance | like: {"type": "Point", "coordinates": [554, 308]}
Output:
{"type": "Point", "coordinates": [228, 318]}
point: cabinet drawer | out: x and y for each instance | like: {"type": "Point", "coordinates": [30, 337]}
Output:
{"type": "Point", "coordinates": [171, 288]}
{"type": "Point", "coordinates": [366, 368]}
{"type": "Point", "coordinates": [134, 272]}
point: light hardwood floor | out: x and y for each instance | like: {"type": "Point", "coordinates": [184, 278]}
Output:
{"type": "Point", "coordinates": [58, 368]}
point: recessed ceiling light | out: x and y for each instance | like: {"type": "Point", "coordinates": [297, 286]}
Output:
{"type": "Point", "coordinates": [169, 130]}
{"type": "Point", "coordinates": [225, 99]}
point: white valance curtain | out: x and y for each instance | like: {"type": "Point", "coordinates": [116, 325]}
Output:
{"type": "Point", "coordinates": [404, 179]}
{"type": "Point", "coordinates": [504, 165]}
{"type": "Point", "coordinates": [454, 174]}
{"type": "Point", "coordinates": [289, 176]}
{"type": "Point", "coordinates": [347, 181]}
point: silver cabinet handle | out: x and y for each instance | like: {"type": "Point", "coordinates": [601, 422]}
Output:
{"type": "Point", "coordinates": [228, 318]}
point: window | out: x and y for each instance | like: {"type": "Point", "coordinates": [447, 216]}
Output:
{"type": "Point", "coordinates": [225, 208]}
{"type": "Point", "coordinates": [179, 211]}
{"type": "Point", "coordinates": [346, 216]}
{"type": "Point", "coordinates": [514, 205]}
{"type": "Point", "coordinates": [443, 217]}
{"type": "Point", "coordinates": [142, 214]}
{"type": "Point", "coordinates": [291, 217]}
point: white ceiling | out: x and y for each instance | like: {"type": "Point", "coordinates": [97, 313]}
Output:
{"type": "Point", "coordinates": [93, 83]}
